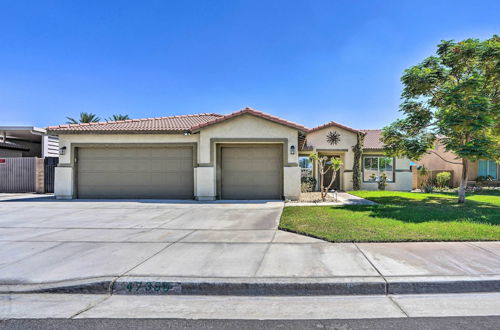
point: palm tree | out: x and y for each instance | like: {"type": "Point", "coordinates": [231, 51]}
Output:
{"type": "Point", "coordinates": [118, 117]}
{"type": "Point", "coordinates": [85, 117]}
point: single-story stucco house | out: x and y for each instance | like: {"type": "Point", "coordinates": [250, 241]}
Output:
{"type": "Point", "coordinates": [373, 160]}
{"type": "Point", "coordinates": [247, 154]}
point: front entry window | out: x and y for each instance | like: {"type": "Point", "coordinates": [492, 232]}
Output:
{"type": "Point", "coordinates": [306, 166]}
{"type": "Point", "coordinates": [487, 168]}
{"type": "Point", "coordinates": [374, 166]}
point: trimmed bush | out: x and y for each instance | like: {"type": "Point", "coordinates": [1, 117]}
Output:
{"type": "Point", "coordinates": [443, 179]}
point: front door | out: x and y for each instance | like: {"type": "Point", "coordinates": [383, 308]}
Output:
{"type": "Point", "coordinates": [328, 178]}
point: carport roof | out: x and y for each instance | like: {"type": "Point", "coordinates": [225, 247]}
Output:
{"type": "Point", "coordinates": [12, 145]}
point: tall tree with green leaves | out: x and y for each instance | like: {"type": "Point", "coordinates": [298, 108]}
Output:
{"type": "Point", "coordinates": [452, 97]}
{"type": "Point", "coordinates": [118, 117]}
{"type": "Point", "coordinates": [85, 117]}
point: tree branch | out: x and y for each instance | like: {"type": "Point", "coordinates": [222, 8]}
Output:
{"type": "Point", "coordinates": [444, 159]}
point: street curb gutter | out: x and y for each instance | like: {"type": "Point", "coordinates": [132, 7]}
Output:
{"type": "Point", "coordinates": [443, 287]}
{"type": "Point", "coordinates": [267, 287]}
{"type": "Point", "coordinates": [249, 289]}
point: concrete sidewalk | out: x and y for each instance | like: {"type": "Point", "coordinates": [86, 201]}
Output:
{"type": "Point", "coordinates": [153, 247]}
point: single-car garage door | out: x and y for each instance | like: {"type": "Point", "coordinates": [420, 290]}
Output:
{"type": "Point", "coordinates": [135, 172]}
{"type": "Point", "coordinates": [251, 172]}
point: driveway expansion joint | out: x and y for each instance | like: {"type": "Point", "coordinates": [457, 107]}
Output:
{"type": "Point", "coordinates": [374, 267]}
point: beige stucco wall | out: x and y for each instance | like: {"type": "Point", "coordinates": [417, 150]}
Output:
{"type": "Point", "coordinates": [402, 179]}
{"type": "Point", "coordinates": [243, 129]}
{"type": "Point", "coordinates": [348, 139]}
{"type": "Point", "coordinates": [318, 139]}
{"type": "Point", "coordinates": [435, 163]}
{"type": "Point", "coordinates": [473, 170]}
{"type": "Point", "coordinates": [246, 129]}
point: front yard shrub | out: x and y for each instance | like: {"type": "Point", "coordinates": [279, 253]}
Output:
{"type": "Point", "coordinates": [306, 187]}
{"type": "Point", "coordinates": [381, 180]}
{"type": "Point", "coordinates": [308, 179]}
{"type": "Point", "coordinates": [484, 180]}
{"type": "Point", "coordinates": [443, 179]}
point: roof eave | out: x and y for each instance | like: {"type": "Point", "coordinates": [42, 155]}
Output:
{"type": "Point", "coordinates": [350, 129]}
{"type": "Point", "coordinates": [255, 113]}
{"type": "Point", "coordinates": [62, 132]}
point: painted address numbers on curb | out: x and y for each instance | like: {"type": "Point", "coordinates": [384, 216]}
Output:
{"type": "Point", "coordinates": [149, 287]}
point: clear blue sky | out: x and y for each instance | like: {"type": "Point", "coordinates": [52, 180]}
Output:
{"type": "Point", "coordinates": [307, 61]}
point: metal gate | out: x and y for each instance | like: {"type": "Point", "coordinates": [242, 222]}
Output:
{"type": "Point", "coordinates": [17, 174]}
{"type": "Point", "coordinates": [50, 164]}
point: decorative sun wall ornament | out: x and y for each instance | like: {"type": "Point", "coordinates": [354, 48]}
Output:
{"type": "Point", "coordinates": [333, 138]}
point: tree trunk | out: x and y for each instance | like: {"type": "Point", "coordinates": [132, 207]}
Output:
{"type": "Point", "coordinates": [356, 167]}
{"type": "Point", "coordinates": [463, 181]}
{"type": "Point", "coordinates": [321, 175]}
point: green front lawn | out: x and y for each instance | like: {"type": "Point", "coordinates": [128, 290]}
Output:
{"type": "Point", "coordinates": [400, 216]}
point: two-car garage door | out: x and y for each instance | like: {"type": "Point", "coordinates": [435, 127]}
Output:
{"type": "Point", "coordinates": [135, 172]}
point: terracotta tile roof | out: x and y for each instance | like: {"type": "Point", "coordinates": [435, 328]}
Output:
{"type": "Point", "coordinates": [254, 112]}
{"type": "Point", "coordinates": [332, 123]}
{"type": "Point", "coordinates": [372, 139]}
{"type": "Point", "coordinates": [173, 124]}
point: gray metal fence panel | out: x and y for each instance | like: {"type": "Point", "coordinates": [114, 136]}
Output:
{"type": "Point", "coordinates": [17, 174]}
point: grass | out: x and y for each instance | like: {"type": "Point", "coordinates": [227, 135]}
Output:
{"type": "Point", "coordinates": [400, 216]}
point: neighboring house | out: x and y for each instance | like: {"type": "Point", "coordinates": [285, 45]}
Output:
{"type": "Point", "coordinates": [27, 141]}
{"type": "Point", "coordinates": [28, 156]}
{"type": "Point", "coordinates": [247, 154]}
{"type": "Point", "coordinates": [439, 160]}
{"type": "Point", "coordinates": [244, 155]}
{"type": "Point", "coordinates": [373, 161]}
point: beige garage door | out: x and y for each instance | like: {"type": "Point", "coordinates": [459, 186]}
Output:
{"type": "Point", "coordinates": [138, 172]}
{"type": "Point", "coordinates": [251, 172]}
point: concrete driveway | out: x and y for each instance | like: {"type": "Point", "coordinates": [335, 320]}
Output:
{"type": "Point", "coordinates": [49, 241]}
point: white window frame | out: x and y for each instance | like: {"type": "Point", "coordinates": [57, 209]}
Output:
{"type": "Point", "coordinates": [390, 179]}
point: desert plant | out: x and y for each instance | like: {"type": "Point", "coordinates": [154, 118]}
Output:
{"type": "Point", "coordinates": [309, 180]}
{"type": "Point", "coordinates": [325, 164]}
{"type": "Point", "coordinates": [428, 187]}
{"type": "Point", "coordinates": [423, 173]}
{"type": "Point", "coordinates": [443, 179]}
{"type": "Point", "coordinates": [306, 187]}
{"type": "Point", "coordinates": [381, 180]}
{"type": "Point", "coordinates": [484, 179]}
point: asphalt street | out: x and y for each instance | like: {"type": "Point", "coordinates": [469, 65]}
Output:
{"type": "Point", "coordinates": [441, 323]}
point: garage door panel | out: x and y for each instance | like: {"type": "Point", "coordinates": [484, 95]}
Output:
{"type": "Point", "coordinates": [114, 179]}
{"type": "Point", "coordinates": [107, 165]}
{"type": "Point", "coordinates": [139, 172]}
{"type": "Point", "coordinates": [251, 172]}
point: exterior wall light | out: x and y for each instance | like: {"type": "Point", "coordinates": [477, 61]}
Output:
{"type": "Point", "coordinates": [62, 150]}
{"type": "Point", "coordinates": [186, 133]}
{"type": "Point", "coordinates": [292, 150]}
